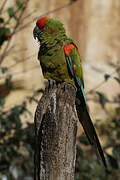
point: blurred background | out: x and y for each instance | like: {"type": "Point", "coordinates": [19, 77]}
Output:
{"type": "Point", "coordinates": [95, 27]}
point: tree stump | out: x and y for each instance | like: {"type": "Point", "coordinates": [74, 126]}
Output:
{"type": "Point", "coordinates": [55, 133]}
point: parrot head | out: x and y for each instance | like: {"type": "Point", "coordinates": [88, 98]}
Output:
{"type": "Point", "coordinates": [48, 29]}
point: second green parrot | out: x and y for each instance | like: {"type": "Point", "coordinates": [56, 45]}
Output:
{"type": "Point", "coordinates": [60, 61]}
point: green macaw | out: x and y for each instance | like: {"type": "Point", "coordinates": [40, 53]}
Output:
{"type": "Point", "coordinates": [60, 61]}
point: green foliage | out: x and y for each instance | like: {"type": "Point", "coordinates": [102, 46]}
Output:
{"type": "Point", "coordinates": [87, 166]}
{"type": "Point", "coordinates": [4, 32]}
{"type": "Point", "coordinates": [16, 143]}
{"type": "Point", "coordinates": [1, 20]}
{"type": "Point", "coordinates": [5, 25]}
{"type": "Point", "coordinates": [2, 102]}
{"type": "Point", "coordinates": [102, 99]}
{"type": "Point", "coordinates": [19, 5]}
{"type": "Point", "coordinates": [3, 69]}
{"type": "Point", "coordinates": [117, 79]}
{"type": "Point", "coordinates": [8, 82]}
{"type": "Point", "coordinates": [11, 12]}
{"type": "Point", "coordinates": [84, 140]}
{"type": "Point", "coordinates": [106, 76]}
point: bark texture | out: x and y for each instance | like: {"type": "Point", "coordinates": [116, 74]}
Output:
{"type": "Point", "coordinates": [55, 129]}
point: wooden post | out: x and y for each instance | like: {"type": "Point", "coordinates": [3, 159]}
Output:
{"type": "Point", "coordinates": [55, 131]}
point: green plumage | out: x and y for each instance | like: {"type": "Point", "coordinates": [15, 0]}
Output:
{"type": "Point", "coordinates": [60, 61]}
{"type": "Point", "coordinates": [53, 63]}
{"type": "Point", "coordinates": [52, 50]}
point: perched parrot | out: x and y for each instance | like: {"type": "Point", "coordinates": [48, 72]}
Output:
{"type": "Point", "coordinates": [60, 61]}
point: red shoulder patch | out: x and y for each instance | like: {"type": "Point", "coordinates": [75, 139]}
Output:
{"type": "Point", "coordinates": [69, 48]}
{"type": "Point", "coordinates": [41, 22]}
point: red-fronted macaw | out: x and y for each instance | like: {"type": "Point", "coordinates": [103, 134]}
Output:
{"type": "Point", "coordinates": [60, 61]}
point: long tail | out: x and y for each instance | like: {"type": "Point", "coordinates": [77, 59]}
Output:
{"type": "Point", "coordinates": [82, 111]}
{"type": "Point", "coordinates": [87, 124]}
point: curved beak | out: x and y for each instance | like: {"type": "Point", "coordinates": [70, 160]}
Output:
{"type": "Point", "coordinates": [36, 32]}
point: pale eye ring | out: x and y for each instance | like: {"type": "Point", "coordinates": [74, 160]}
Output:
{"type": "Point", "coordinates": [46, 28]}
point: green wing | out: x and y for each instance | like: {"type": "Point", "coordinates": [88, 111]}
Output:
{"type": "Point", "coordinates": [73, 60]}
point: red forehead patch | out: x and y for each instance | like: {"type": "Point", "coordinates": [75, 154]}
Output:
{"type": "Point", "coordinates": [41, 22]}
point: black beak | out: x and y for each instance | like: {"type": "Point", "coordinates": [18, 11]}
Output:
{"type": "Point", "coordinates": [36, 32]}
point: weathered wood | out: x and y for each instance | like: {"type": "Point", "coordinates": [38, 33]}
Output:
{"type": "Point", "coordinates": [55, 129]}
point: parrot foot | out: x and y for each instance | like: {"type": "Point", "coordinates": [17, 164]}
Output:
{"type": "Point", "coordinates": [68, 84]}
{"type": "Point", "coordinates": [68, 89]}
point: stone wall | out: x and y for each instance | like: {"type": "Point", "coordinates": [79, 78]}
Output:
{"type": "Point", "coordinates": [93, 24]}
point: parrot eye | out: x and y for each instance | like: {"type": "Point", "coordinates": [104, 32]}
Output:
{"type": "Point", "coordinates": [45, 28]}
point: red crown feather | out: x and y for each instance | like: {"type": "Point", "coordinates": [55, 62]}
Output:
{"type": "Point", "coordinates": [41, 22]}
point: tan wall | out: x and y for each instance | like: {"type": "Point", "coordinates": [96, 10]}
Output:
{"type": "Point", "coordinates": [93, 24]}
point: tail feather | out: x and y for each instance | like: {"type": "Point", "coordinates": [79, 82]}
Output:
{"type": "Point", "coordinates": [82, 112]}
{"type": "Point", "coordinates": [87, 124]}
